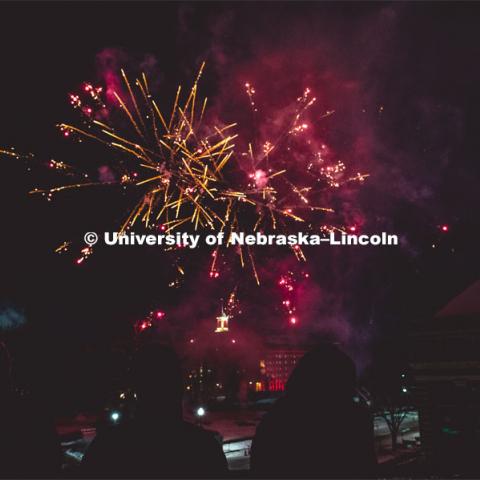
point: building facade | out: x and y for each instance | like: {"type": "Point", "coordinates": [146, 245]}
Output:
{"type": "Point", "coordinates": [446, 371]}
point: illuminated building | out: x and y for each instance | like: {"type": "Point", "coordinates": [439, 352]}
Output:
{"type": "Point", "coordinates": [279, 363]}
{"type": "Point", "coordinates": [222, 323]}
{"type": "Point", "coordinates": [276, 366]}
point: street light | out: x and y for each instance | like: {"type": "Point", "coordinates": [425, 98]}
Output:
{"type": "Point", "coordinates": [115, 416]}
{"type": "Point", "coordinates": [200, 413]}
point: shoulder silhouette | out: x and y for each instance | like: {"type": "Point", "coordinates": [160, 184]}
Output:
{"type": "Point", "coordinates": [316, 429]}
{"type": "Point", "coordinates": [29, 445]}
{"type": "Point", "coordinates": [157, 442]}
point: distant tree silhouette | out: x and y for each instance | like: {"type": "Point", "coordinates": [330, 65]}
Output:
{"type": "Point", "coordinates": [387, 381]}
{"type": "Point", "coordinates": [393, 408]}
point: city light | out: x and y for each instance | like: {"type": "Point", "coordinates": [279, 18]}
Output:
{"type": "Point", "coordinates": [115, 416]}
{"type": "Point", "coordinates": [201, 412]}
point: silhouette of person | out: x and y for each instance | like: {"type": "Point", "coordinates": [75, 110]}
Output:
{"type": "Point", "coordinates": [316, 429]}
{"type": "Point", "coordinates": [29, 445]}
{"type": "Point", "coordinates": [157, 442]}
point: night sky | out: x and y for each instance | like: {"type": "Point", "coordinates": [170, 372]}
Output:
{"type": "Point", "coordinates": [403, 79]}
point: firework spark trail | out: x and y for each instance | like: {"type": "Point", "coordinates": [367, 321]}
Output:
{"type": "Point", "coordinates": [288, 283]}
{"type": "Point", "coordinates": [190, 173]}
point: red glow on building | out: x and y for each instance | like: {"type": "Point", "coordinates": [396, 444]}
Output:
{"type": "Point", "coordinates": [276, 385]}
{"type": "Point", "coordinates": [277, 366]}
{"type": "Point", "coordinates": [444, 228]}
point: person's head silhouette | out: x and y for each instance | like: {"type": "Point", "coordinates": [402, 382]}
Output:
{"type": "Point", "coordinates": [323, 374]}
{"type": "Point", "coordinates": [158, 383]}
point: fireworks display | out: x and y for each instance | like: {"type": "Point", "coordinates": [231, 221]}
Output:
{"type": "Point", "coordinates": [189, 174]}
{"type": "Point", "coordinates": [176, 162]}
